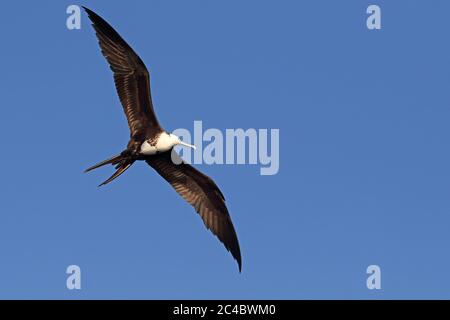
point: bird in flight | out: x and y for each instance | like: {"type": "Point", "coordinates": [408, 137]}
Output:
{"type": "Point", "coordinates": [149, 142]}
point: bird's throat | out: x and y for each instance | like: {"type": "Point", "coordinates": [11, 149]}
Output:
{"type": "Point", "coordinates": [162, 143]}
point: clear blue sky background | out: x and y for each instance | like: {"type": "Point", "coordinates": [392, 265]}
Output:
{"type": "Point", "coordinates": [364, 125]}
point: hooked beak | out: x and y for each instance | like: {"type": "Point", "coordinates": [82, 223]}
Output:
{"type": "Point", "coordinates": [186, 144]}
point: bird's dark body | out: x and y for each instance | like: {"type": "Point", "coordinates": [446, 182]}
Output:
{"type": "Point", "coordinates": [132, 83]}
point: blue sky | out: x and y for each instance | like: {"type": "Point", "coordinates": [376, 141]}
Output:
{"type": "Point", "coordinates": [364, 150]}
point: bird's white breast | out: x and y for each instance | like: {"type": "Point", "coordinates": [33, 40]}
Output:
{"type": "Point", "coordinates": [163, 143]}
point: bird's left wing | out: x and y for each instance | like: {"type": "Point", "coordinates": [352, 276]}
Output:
{"type": "Point", "coordinates": [203, 194]}
{"type": "Point", "coordinates": [131, 78]}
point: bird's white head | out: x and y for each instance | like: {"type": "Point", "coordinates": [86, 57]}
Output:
{"type": "Point", "coordinates": [176, 140]}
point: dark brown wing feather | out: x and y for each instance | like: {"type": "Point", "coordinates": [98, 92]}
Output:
{"type": "Point", "coordinates": [203, 194]}
{"type": "Point", "coordinates": [131, 78]}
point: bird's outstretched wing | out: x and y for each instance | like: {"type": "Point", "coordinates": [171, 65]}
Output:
{"type": "Point", "coordinates": [203, 194]}
{"type": "Point", "coordinates": [131, 78]}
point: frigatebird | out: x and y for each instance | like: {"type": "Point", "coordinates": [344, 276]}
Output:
{"type": "Point", "coordinates": [149, 142]}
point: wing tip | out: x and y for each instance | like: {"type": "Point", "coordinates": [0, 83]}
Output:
{"type": "Point", "coordinates": [91, 15]}
{"type": "Point", "coordinates": [237, 256]}
{"type": "Point", "coordinates": [87, 9]}
{"type": "Point", "coordinates": [95, 18]}
{"type": "Point", "coordinates": [235, 252]}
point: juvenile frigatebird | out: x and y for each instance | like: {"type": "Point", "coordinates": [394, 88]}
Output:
{"type": "Point", "coordinates": [151, 143]}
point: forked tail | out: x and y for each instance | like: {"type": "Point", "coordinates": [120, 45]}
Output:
{"type": "Point", "coordinates": [122, 162]}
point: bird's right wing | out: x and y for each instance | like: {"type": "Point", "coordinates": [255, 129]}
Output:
{"type": "Point", "coordinates": [131, 78]}
{"type": "Point", "coordinates": [203, 194]}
